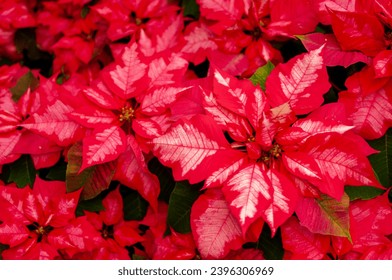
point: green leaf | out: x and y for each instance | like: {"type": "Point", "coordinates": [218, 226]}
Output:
{"type": "Point", "coordinates": [191, 8]}
{"type": "Point", "coordinates": [261, 74]}
{"type": "Point", "coordinates": [180, 204]}
{"type": "Point", "coordinates": [272, 247]}
{"type": "Point", "coordinates": [33, 57]}
{"type": "Point", "coordinates": [84, 12]}
{"type": "Point", "coordinates": [91, 205]}
{"type": "Point", "coordinates": [22, 172]}
{"type": "Point", "coordinates": [165, 178]}
{"type": "Point", "coordinates": [138, 257]}
{"type": "Point", "coordinates": [57, 172]}
{"type": "Point", "coordinates": [363, 193]}
{"type": "Point", "coordinates": [93, 179]}
{"type": "Point", "coordinates": [26, 81]}
{"type": "Point", "coordinates": [135, 207]}
{"type": "Point", "coordinates": [61, 78]}
{"type": "Point", "coordinates": [2, 248]}
{"type": "Point", "coordinates": [382, 162]}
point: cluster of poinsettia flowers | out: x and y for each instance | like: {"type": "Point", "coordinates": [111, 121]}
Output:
{"type": "Point", "coordinates": [200, 118]}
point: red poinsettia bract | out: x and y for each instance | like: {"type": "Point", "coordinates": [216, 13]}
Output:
{"type": "Point", "coordinates": [260, 155]}
{"type": "Point", "coordinates": [40, 222]}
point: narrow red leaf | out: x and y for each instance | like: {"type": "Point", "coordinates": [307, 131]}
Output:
{"type": "Point", "coordinates": [284, 200]}
{"type": "Point", "coordinates": [132, 171]}
{"type": "Point", "coordinates": [248, 193]}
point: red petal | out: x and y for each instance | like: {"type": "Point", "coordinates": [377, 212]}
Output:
{"type": "Point", "coordinates": [8, 142]}
{"type": "Point", "coordinates": [78, 235]}
{"type": "Point", "coordinates": [126, 77]}
{"type": "Point", "coordinates": [339, 163]}
{"type": "Point", "coordinates": [132, 172]}
{"type": "Point", "coordinates": [369, 222]}
{"type": "Point", "coordinates": [159, 100]}
{"type": "Point", "coordinates": [215, 230]}
{"type": "Point", "coordinates": [382, 63]}
{"type": "Point", "coordinates": [333, 54]}
{"type": "Point", "coordinates": [13, 234]}
{"type": "Point", "coordinates": [126, 234]}
{"type": "Point", "coordinates": [292, 13]}
{"type": "Point", "coordinates": [302, 243]}
{"type": "Point", "coordinates": [194, 148]}
{"type": "Point", "coordinates": [53, 122]}
{"type": "Point", "coordinates": [284, 200]}
{"type": "Point", "coordinates": [302, 81]}
{"type": "Point", "coordinates": [358, 32]}
{"type": "Point", "coordinates": [113, 205]}
{"type": "Point", "coordinates": [248, 193]}
{"type": "Point", "coordinates": [371, 113]}
{"type": "Point", "coordinates": [104, 145]}
{"type": "Point", "coordinates": [11, 203]}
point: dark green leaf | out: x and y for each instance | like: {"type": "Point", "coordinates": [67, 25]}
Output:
{"type": "Point", "coordinates": [22, 172]}
{"type": "Point", "coordinates": [191, 8]}
{"type": "Point", "coordinates": [363, 193]}
{"type": "Point", "coordinates": [261, 74]}
{"type": "Point", "coordinates": [33, 57]}
{"type": "Point", "coordinates": [26, 81]}
{"type": "Point", "coordinates": [138, 257]}
{"type": "Point", "coordinates": [331, 96]}
{"type": "Point", "coordinates": [61, 78]}
{"type": "Point", "coordinates": [5, 173]}
{"type": "Point", "coordinates": [180, 204]}
{"type": "Point", "coordinates": [91, 205]}
{"type": "Point", "coordinates": [93, 179]}
{"type": "Point", "coordinates": [165, 177]}
{"type": "Point", "coordinates": [57, 172]}
{"type": "Point", "coordinates": [272, 247]}
{"type": "Point", "coordinates": [84, 12]}
{"type": "Point", "coordinates": [382, 162]}
{"type": "Point", "coordinates": [2, 248]}
{"type": "Point", "coordinates": [135, 207]}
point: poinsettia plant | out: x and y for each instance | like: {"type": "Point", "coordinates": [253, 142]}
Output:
{"type": "Point", "coordinates": [192, 129]}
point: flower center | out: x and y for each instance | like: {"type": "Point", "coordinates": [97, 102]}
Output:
{"type": "Point", "coordinates": [107, 231]}
{"type": "Point", "coordinates": [269, 156]}
{"type": "Point", "coordinates": [41, 231]}
{"type": "Point", "coordinates": [275, 151]}
{"type": "Point", "coordinates": [137, 20]}
{"type": "Point", "coordinates": [251, 138]}
{"type": "Point", "coordinates": [127, 114]}
{"type": "Point", "coordinates": [255, 33]}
